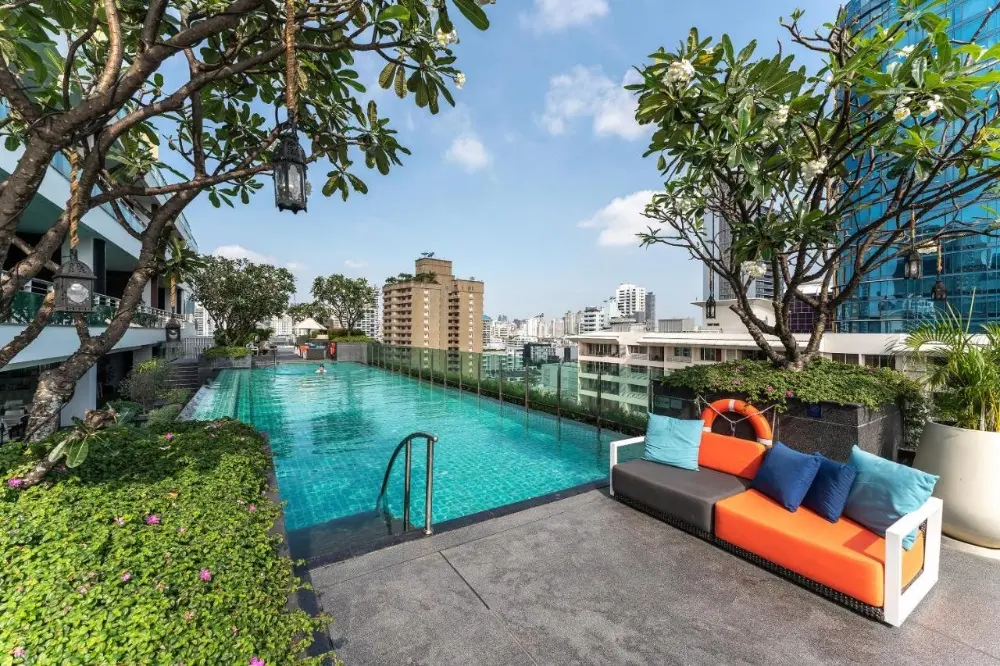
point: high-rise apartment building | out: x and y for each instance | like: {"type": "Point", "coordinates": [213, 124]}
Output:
{"type": "Point", "coordinates": [571, 322]}
{"type": "Point", "coordinates": [371, 322]}
{"type": "Point", "coordinates": [885, 301]}
{"type": "Point", "coordinates": [434, 309]}
{"type": "Point", "coordinates": [593, 320]}
{"type": "Point", "coordinates": [762, 287]}
{"type": "Point", "coordinates": [651, 308]}
{"type": "Point", "coordinates": [630, 299]}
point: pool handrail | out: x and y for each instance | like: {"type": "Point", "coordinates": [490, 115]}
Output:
{"type": "Point", "coordinates": [428, 504]}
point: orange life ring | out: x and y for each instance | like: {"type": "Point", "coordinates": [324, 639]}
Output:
{"type": "Point", "coordinates": [760, 425]}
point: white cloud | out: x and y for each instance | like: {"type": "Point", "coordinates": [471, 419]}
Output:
{"type": "Point", "coordinates": [620, 220]}
{"type": "Point", "coordinates": [468, 151]}
{"type": "Point", "coordinates": [587, 92]}
{"type": "Point", "coordinates": [353, 263]}
{"type": "Point", "coordinates": [556, 15]}
{"type": "Point", "coordinates": [240, 252]}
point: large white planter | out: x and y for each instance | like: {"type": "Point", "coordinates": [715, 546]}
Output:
{"type": "Point", "coordinates": [968, 462]}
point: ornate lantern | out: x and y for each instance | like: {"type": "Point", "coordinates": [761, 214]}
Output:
{"type": "Point", "coordinates": [173, 329]}
{"type": "Point", "coordinates": [74, 286]}
{"type": "Point", "coordinates": [710, 307]}
{"type": "Point", "coordinates": [913, 266]}
{"type": "Point", "coordinates": [290, 171]}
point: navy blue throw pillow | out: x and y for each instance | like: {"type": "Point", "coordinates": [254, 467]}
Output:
{"type": "Point", "coordinates": [830, 489]}
{"type": "Point", "coordinates": [785, 475]}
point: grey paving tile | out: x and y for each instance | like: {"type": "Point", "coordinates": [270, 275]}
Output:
{"type": "Point", "coordinates": [417, 612]}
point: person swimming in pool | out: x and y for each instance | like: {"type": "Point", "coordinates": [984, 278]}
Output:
{"type": "Point", "coordinates": [321, 370]}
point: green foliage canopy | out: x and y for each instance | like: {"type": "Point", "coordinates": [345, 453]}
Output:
{"type": "Point", "coordinates": [346, 299]}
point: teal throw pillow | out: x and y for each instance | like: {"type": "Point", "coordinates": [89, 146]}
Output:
{"type": "Point", "coordinates": [884, 491]}
{"type": "Point", "coordinates": [673, 442]}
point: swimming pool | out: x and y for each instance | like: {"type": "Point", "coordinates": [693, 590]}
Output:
{"type": "Point", "coordinates": [332, 436]}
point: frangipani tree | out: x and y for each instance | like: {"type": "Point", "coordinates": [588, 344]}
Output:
{"type": "Point", "coordinates": [126, 90]}
{"type": "Point", "coordinates": [346, 299]}
{"type": "Point", "coordinates": [820, 177]}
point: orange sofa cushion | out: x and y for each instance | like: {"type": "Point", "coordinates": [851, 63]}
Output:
{"type": "Point", "coordinates": [739, 457]}
{"type": "Point", "coordinates": [842, 555]}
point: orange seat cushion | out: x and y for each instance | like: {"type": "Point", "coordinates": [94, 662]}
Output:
{"type": "Point", "coordinates": [739, 457]}
{"type": "Point", "coordinates": [842, 555]}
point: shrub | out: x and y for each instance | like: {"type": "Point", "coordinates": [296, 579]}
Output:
{"type": "Point", "coordinates": [89, 575]}
{"type": "Point", "coordinates": [163, 416]}
{"type": "Point", "coordinates": [178, 396]}
{"type": "Point", "coordinates": [213, 353]}
{"type": "Point", "coordinates": [146, 382]}
{"type": "Point", "coordinates": [126, 410]}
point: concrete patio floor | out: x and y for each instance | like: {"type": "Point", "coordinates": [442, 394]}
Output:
{"type": "Point", "coordinates": [587, 580]}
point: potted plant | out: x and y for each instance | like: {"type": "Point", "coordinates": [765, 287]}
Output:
{"type": "Point", "coordinates": [961, 444]}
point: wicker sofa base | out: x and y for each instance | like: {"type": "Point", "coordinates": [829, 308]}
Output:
{"type": "Point", "coordinates": [873, 612]}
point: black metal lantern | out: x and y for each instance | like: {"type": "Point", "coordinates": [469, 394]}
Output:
{"type": "Point", "coordinates": [74, 285]}
{"type": "Point", "coordinates": [913, 268]}
{"type": "Point", "coordinates": [710, 307]}
{"type": "Point", "coordinates": [173, 329]}
{"type": "Point", "coordinates": [939, 292]}
{"type": "Point", "coordinates": [289, 171]}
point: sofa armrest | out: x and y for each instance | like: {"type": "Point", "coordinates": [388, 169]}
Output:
{"type": "Point", "coordinates": [899, 604]}
{"type": "Point", "coordinates": [614, 457]}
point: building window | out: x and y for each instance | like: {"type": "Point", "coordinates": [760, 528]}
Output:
{"type": "Point", "coordinates": [710, 354]}
{"type": "Point", "coordinates": [849, 359]}
{"type": "Point", "coordinates": [878, 361]}
{"type": "Point", "coordinates": [682, 352]}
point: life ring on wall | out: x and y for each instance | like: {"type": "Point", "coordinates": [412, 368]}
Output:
{"type": "Point", "coordinates": [760, 425]}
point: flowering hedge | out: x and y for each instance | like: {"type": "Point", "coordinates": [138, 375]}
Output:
{"type": "Point", "coordinates": [156, 550]}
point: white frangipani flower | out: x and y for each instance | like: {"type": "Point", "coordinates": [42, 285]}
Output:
{"type": "Point", "coordinates": [901, 113]}
{"type": "Point", "coordinates": [813, 168]}
{"type": "Point", "coordinates": [754, 269]}
{"type": "Point", "coordinates": [459, 80]}
{"type": "Point", "coordinates": [445, 38]}
{"type": "Point", "coordinates": [680, 71]}
{"type": "Point", "coordinates": [779, 117]}
{"type": "Point", "coordinates": [906, 51]}
{"type": "Point", "coordinates": [933, 106]}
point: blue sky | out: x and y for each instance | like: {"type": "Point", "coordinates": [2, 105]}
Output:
{"type": "Point", "coordinates": [534, 183]}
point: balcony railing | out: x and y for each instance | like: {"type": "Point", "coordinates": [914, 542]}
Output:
{"type": "Point", "coordinates": [29, 300]}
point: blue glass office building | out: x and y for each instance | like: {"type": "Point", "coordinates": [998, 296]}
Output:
{"type": "Point", "coordinates": [886, 302]}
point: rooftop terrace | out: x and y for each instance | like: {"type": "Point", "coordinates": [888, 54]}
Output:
{"type": "Point", "coordinates": [587, 580]}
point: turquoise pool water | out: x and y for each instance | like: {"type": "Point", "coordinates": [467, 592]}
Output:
{"type": "Point", "coordinates": [332, 436]}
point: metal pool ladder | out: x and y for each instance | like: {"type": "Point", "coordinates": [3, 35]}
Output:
{"type": "Point", "coordinates": [428, 504]}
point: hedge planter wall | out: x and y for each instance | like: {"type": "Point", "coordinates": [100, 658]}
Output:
{"type": "Point", "coordinates": [827, 407]}
{"type": "Point", "coordinates": [828, 428]}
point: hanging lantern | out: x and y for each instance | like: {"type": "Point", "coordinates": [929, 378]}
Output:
{"type": "Point", "coordinates": [74, 286]}
{"type": "Point", "coordinates": [289, 171]}
{"type": "Point", "coordinates": [710, 307]}
{"type": "Point", "coordinates": [173, 329]}
{"type": "Point", "coordinates": [913, 266]}
{"type": "Point", "coordinates": [939, 292]}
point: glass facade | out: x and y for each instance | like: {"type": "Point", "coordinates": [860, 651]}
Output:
{"type": "Point", "coordinates": [886, 302]}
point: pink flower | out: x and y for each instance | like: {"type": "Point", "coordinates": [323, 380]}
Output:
{"type": "Point", "coordinates": [120, 521]}
{"type": "Point", "coordinates": [252, 508]}
{"type": "Point", "coordinates": [788, 394]}
{"type": "Point", "coordinates": [181, 530]}
{"type": "Point", "coordinates": [15, 482]}
{"type": "Point", "coordinates": [206, 575]}
{"type": "Point", "coordinates": [82, 589]}
{"type": "Point", "coordinates": [18, 652]}
{"type": "Point", "coordinates": [770, 389]}
{"type": "Point", "coordinates": [126, 577]}
{"type": "Point", "coordinates": [189, 616]}
{"type": "Point", "coordinates": [737, 382]}
{"type": "Point", "coordinates": [169, 436]}
{"type": "Point", "coordinates": [152, 519]}
{"type": "Point", "coordinates": [257, 661]}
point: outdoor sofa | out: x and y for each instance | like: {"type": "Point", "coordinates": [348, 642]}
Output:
{"type": "Point", "coordinates": [842, 561]}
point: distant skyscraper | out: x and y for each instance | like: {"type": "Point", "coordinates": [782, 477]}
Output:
{"type": "Point", "coordinates": [371, 322]}
{"type": "Point", "coordinates": [650, 307]}
{"type": "Point", "coordinates": [630, 298]}
{"type": "Point", "coordinates": [762, 287]}
{"type": "Point", "coordinates": [593, 320]}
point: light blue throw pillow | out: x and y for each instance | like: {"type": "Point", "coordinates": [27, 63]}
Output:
{"type": "Point", "coordinates": [673, 442]}
{"type": "Point", "coordinates": [884, 491]}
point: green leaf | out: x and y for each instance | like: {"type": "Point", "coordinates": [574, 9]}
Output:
{"type": "Point", "coordinates": [76, 453]}
{"type": "Point", "coordinates": [473, 12]}
{"type": "Point", "coordinates": [385, 77]}
{"type": "Point", "coordinates": [918, 69]}
{"type": "Point", "coordinates": [400, 86]}
{"type": "Point", "coordinates": [372, 113]}
{"type": "Point", "coordinates": [394, 13]}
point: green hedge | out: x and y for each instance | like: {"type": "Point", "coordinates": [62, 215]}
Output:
{"type": "Point", "coordinates": [155, 551]}
{"type": "Point", "coordinates": [213, 353]}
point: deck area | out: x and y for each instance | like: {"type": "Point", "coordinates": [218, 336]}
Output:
{"type": "Point", "coordinates": [586, 580]}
